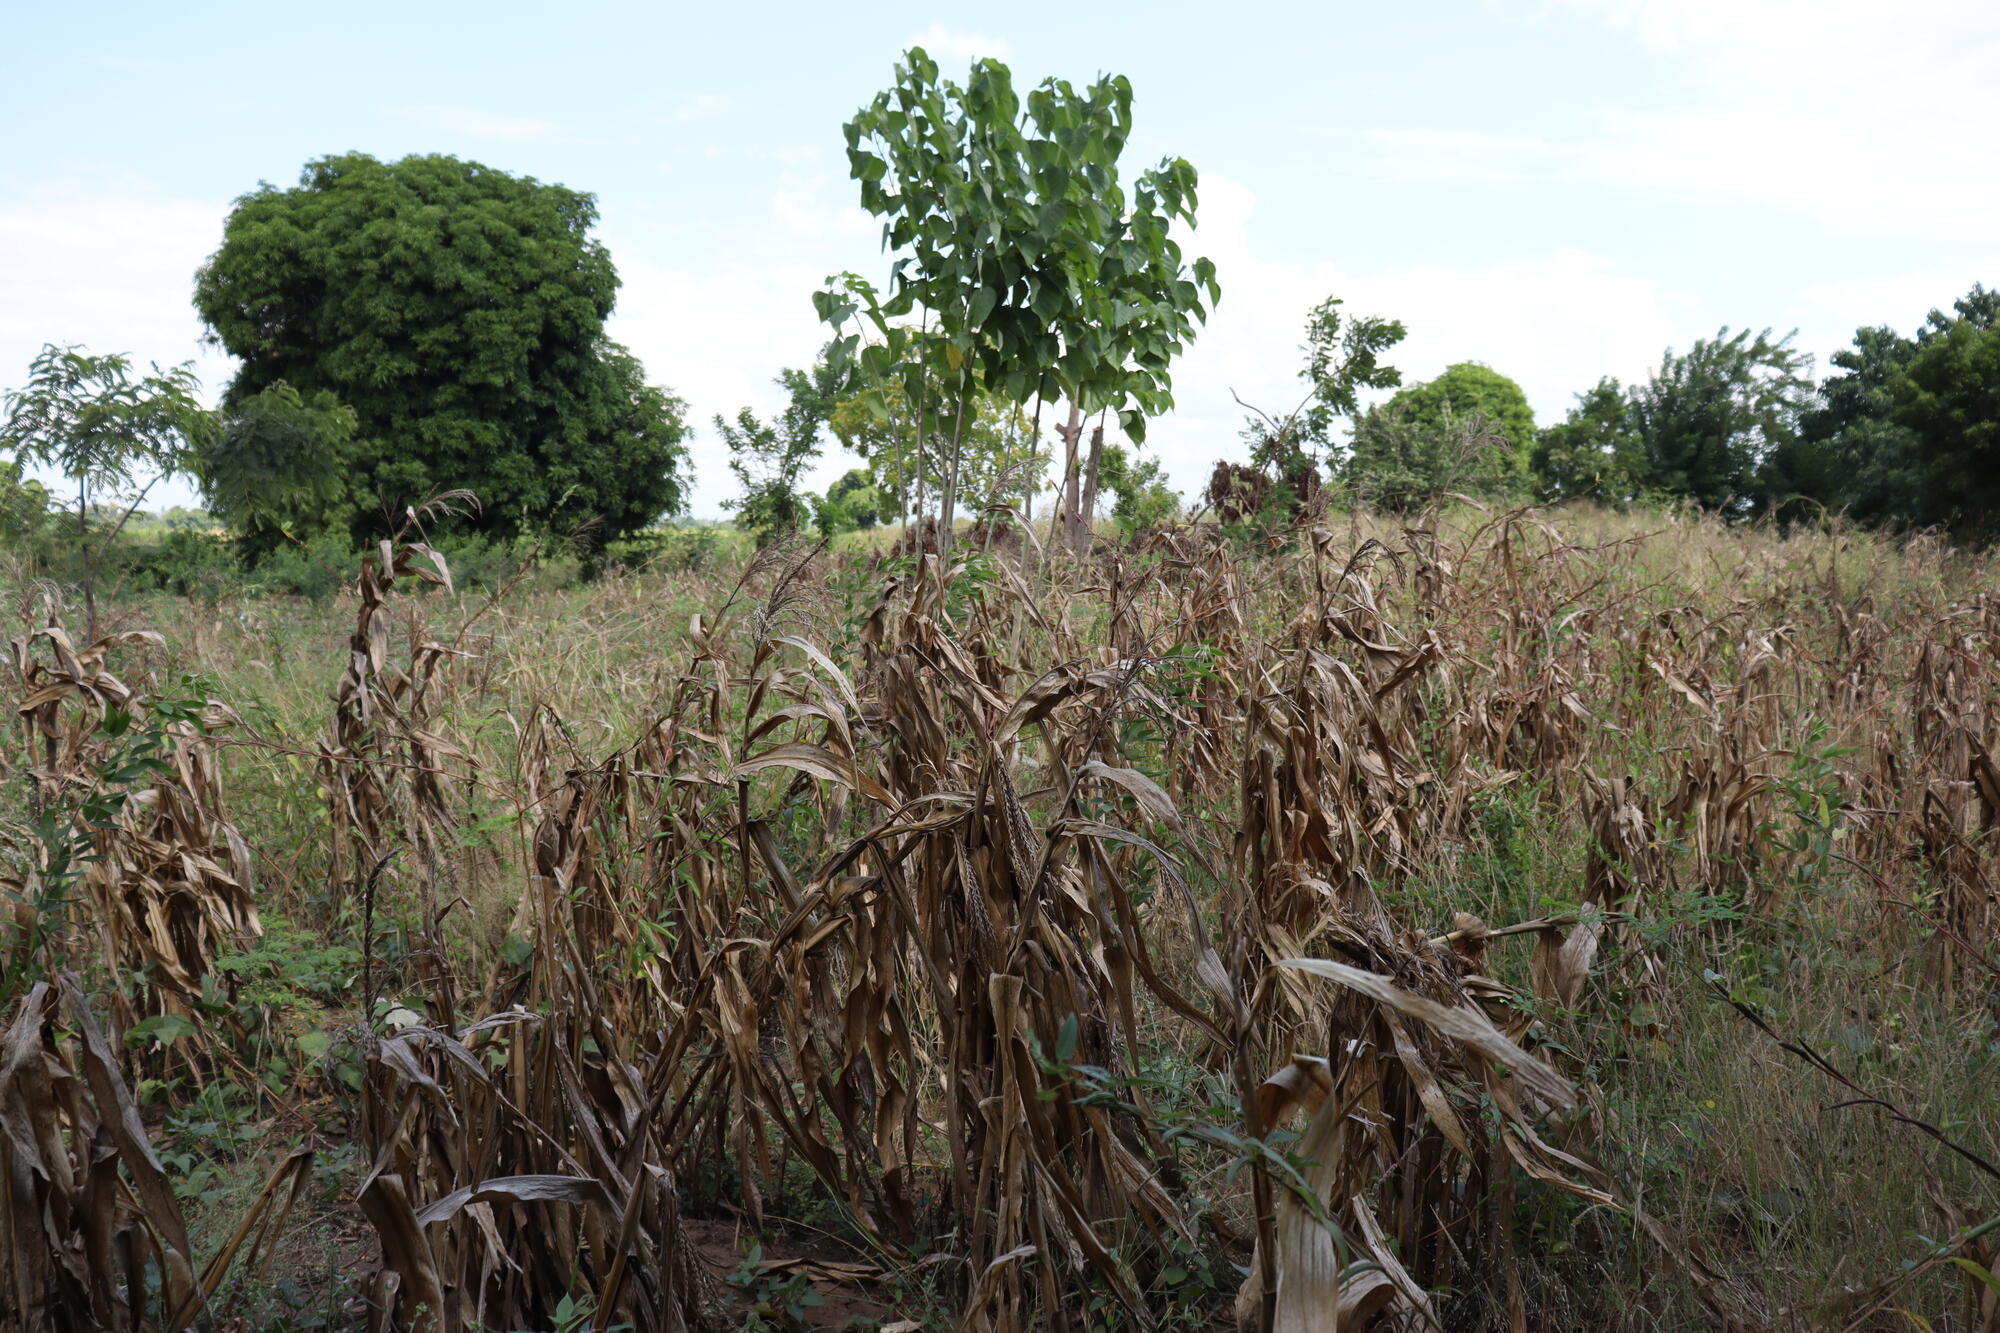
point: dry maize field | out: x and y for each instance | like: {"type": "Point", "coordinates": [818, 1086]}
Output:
{"type": "Point", "coordinates": [1531, 920]}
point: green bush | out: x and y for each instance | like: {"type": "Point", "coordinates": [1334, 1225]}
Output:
{"type": "Point", "coordinates": [1141, 499]}
{"type": "Point", "coordinates": [481, 562]}
{"type": "Point", "coordinates": [315, 568]}
{"type": "Point", "coordinates": [679, 550]}
{"type": "Point", "coordinates": [1405, 464]}
{"type": "Point", "coordinates": [186, 564]}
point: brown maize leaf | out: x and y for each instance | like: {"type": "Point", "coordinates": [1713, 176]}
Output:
{"type": "Point", "coordinates": [517, 1189]}
{"type": "Point", "coordinates": [1461, 1024]}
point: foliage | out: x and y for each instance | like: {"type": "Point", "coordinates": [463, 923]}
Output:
{"type": "Point", "coordinates": [682, 549]}
{"type": "Point", "coordinates": [186, 564]}
{"type": "Point", "coordinates": [458, 312]}
{"type": "Point", "coordinates": [90, 419]}
{"type": "Point", "coordinates": [1909, 433]}
{"type": "Point", "coordinates": [1949, 402]}
{"type": "Point", "coordinates": [998, 452]}
{"type": "Point", "coordinates": [853, 501]}
{"type": "Point", "coordinates": [176, 518]}
{"type": "Point", "coordinates": [1343, 358]}
{"type": "Point", "coordinates": [1594, 453]}
{"type": "Point", "coordinates": [770, 459]}
{"type": "Point", "coordinates": [314, 568]}
{"type": "Point", "coordinates": [1141, 498]}
{"type": "Point", "coordinates": [777, 1301]}
{"type": "Point", "coordinates": [1469, 390]}
{"type": "Point", "coordinates": [1341, 362]}
{"type": "Point", "coordinates": [87, 417]}
{"type": "Point", "coordinates": [24, 508]}
{"type": "Point", "coordinates": [1405, 464]}
{"type": "Point", "coordinates": [1710, 419]}
{"type": "Point", "coordinates": [279, 464]}
{"type": "Point", "coordinates": [1035, 275]}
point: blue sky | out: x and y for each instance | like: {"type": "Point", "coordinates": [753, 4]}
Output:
{"type": "Point", "coordinates": [1560, 189]}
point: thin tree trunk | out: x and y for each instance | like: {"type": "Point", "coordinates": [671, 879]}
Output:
{"type": "Point", "coordinates": [1089, 525]}
{"type": "Point", "coordinates": [899, 479]}
{"type": "Point", "coordinates": [1072, 491]}
{"type": "Point", "coordinates": [1066, 496]}
{"type": "Point", "coordinates": [951, 472]}
{"type": "Point", "coordinates": [923, 388]}
{"type": "Point", "coordinates": [1034, 456]}
{"type": "Point", "coordinates": [83, 545]}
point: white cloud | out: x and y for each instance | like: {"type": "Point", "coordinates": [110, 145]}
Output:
{"type": "Point", "coordinates": [477, 124]}
{"type": "Point", "coordinates": [108, 263]}
{"type": "Point", "coordinates": [699, 106]}
{"type": "Point", "coordinates": [1828, 313]}
{"type": "Point", "coordinates": [1459, 157]}
{"type": "Point", "coordinates": [1871, 120]}
{"type": "Point", "coordinates": [942, 42]}
{"type": "Point", "coordinates": [1875, 119]}
{"type": "Point", "coordinates": [1900, 300]}
{"type": "Point", "coordinates": [718, 333]}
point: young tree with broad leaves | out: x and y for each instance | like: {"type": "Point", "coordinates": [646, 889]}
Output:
{"type": "Point", "coordinates": [114, 435]}
{"type": "Point", "coordinates": [999, 455]}
{"type": "Point", "coordinates": [1030, 270]}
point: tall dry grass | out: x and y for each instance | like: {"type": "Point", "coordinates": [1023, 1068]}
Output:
{"type": "Point", "coordinates": [1516, 920]}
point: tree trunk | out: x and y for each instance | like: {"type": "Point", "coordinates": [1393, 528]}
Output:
{"type": "Point", "coordinates": [83, 545]}
{"type": "Point", "coordinates": [1034, 460]}
{"type": "Point", "coordinates": [1089, 524]}
{"type": "Point", "coordinates": [950, 505]}
{"type": "Point", "coordinates": [1065, 513]}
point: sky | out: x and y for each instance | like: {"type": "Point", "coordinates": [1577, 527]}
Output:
{"type": "Point", "coordinates": [1561, 189]}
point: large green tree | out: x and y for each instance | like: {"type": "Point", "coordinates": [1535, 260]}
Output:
{"type": "Point", "coordinates": [1404, 462]}
{"type": "Point", "coordinates": [1908, 433]}
{"type": "Point", "coordinates": [1710, 419]}
{"type": "Point", "coordinates": [1594, 453]}
{"type": "Point", "coordinates": [1949, 403]}
{"type": "Point", "coordinates": [458, 312]}
{"type": "Point", "coordinates": [853, 501]}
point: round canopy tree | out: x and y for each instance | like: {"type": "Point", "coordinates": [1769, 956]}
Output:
{"type": "Point", "coordinates": [1470, 389]}
{"type": "Point", "coordinates": [458, 312]}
